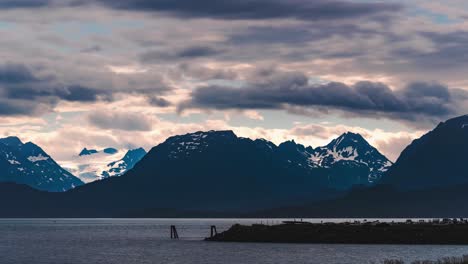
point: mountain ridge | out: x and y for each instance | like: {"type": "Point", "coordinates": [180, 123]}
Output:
{"type": "Point", "coordinates": [436, 159]}
{"type": "Point", "coordinates": [27, 163]}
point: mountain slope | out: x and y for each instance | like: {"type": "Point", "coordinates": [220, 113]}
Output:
{"type": "Point", "coordinates": [213, 170]}
{"type": "Point", "coordinates": [216, 170]}
{"type": "Point", "coordinates": [348, 160]}
{"type": "Point", "coordinates": [29, 164]}
{"type": "Point", "coordinates": [119, 167]}
{"type": "Point", "coordinates": [91, 165]}
{"type": "Point", "coordinates": [437, 159]}
{"type": "Point", "coordinates": [351, 160]}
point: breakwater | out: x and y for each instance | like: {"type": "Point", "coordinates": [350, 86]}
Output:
{"type": "Point", "coordinates": [447, 231]}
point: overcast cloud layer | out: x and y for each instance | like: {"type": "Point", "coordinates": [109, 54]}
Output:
{"type": "Point", "coordinates": [121, 73]}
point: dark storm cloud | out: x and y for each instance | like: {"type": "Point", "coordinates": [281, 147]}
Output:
{"type": "Point", "coordinates": [256, 9]}
{"type": "Point", "coordinates": [15, 73]}
{"type": "Point", "coordinates": [6, 4]}
{"type": "Point", "coordinates": [18, 82]}
{"type": "Point", "coordinates": [228, 9]}
{"type": "Point", "coordinates": [417, 100]}
{"type": "Point", "coordinates": [24, 93]}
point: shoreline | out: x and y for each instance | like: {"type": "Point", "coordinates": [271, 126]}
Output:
{"type": "Point", "coordinates": [446, 232]}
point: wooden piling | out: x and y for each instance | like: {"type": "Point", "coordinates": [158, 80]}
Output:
{"type": "Point", "coordinates": [213, 231]}
{"type": "Point", "coordinates": [174, 234]}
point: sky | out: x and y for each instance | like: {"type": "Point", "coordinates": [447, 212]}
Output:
{"type": "Point", "coordinates": [130, 73]}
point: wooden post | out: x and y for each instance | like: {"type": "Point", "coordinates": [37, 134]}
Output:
{"type": "Point", "coordinates": [213, 231]}
{"type": "Point", "coordinates": [174, 234]}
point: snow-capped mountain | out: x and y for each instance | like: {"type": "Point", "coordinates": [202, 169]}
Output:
{"type": "Point", "coordinates": [352, 150]}
{"type": "Point", "coordinates": [29, 164]}
{"type": "Point", "coordinates": [349, 160]}
{"type": "Point", "coordinates": [91, 164]}
{"type": "Point", "coordinates": [121, 166]}
{"type": "Point", "coordinates": [346, 161]}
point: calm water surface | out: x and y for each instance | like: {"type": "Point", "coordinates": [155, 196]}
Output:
{"type": "Point", "coordinates": [132, 241]}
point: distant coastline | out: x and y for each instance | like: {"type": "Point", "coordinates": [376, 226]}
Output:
{"type": "Point", "coordinates": [445, 231]}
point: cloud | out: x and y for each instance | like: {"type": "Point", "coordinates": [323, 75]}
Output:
{"type": "Point", "coordinates": [191, 52]}
{"type": "Point", "coordinates": [7, 4]}
{"type": "Point", "coordinates": [256, 9]}
{"type": "Point", "coordinates": [92, 49]}
{"type": "Point", "coordinates": [449, 50]}
{"type": "Point", "coordinates": [24, 92]}
{"type": "Point", "coordinates": [202, 72]}
{"type": "Point", "coordinates": [158, 101]}
{"type": "Point", "coordinates": [416, 102]}
{"type": "Point", "coordinates": [297, 35]}
{"type": "Point", "coordinates": [393, 146]}
{"type": "Point", "coordinates": [120, 121]}
{"type": "Point", "coordinates": [15, 73]}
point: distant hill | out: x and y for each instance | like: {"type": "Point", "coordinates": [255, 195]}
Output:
{"type": "Point", "coordinates": [29, 164]}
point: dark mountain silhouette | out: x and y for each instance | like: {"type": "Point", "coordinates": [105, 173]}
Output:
{"type": "Point", "coordinates": [29, 164]}
{"type": "Point", "coordinates": [86, 151]}
{"type": "Point", "coordinates": [217, 171]}
{"type": "Point", "coordinates": [209, 170]}
{"type": "Point", "coordinates": [437, 159]}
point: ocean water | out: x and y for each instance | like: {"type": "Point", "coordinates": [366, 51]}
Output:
{"type": "Point", "coordinates": [135, 241]}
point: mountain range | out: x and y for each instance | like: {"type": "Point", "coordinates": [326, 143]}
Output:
{"type": "Point", "coordinates": [218, 173]}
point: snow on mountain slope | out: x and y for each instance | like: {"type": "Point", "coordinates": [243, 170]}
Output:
{"type": "Point", "coordinates": [348, 160]}
{"type": "Point", "coordinates": [29, 164]}
{"type": "Point", "coordinates": [91, 165]}
{"type": "Point", "coordinates": [352, 149]}
{"type": "Point", "coordinates": [121, 166]}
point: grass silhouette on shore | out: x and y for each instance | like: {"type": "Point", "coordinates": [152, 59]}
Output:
{"type": "Point", "coordinates": [448, 260]}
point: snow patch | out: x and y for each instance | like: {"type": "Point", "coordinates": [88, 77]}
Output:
{"type": "Point", "coordinates": [13, 162]}
{"type": "Point", "coordinates": [37, 158]}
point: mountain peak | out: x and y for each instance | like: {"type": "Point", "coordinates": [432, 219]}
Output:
{"type": "Point", "coordinates": [110, 151]}
{"type": "Point", "coordinates": [437, 159]}
{"type": "Point", "coordinates": [29, 164]}
{"type": "Point", "coordinates": [204, 135]}
{"type": "Point", "coordinates": [11, 141]}
{"type": "Point", "coordinates": [352, 149]}
{"type": "Point", "coordinates": [86, 151]}
{"type": "Point", "coordinates": [456, 122]}
{"type": "Point", "coordinates": [135, 152]}
{"type": "Point", "coordinates": [119, 167]}
{"type": "Point", "coordinates": [348, 139]}
{"type": "Point", "coordinates": [291, 145]}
